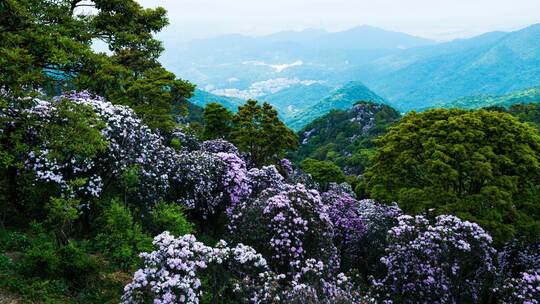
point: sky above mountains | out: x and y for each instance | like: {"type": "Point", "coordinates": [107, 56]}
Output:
{"type": "Point", "coordinates": [436, 19]}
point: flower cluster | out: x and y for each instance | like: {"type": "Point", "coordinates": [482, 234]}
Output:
{"type": "Point", "coordinates": [59, 165]}
{"type": "Point", "coordinates": [344, 212]}
{"type": "Point", "coordinates": [130, 143]}
{"type": "Point", "coordinates": [288, 226]}
{"type": "Point", "coordinates": [264, 178]}
{"type": "Point", "coordinates": [219, 145]}
{"type": "Point", "coordinates": [287, 166]}
{"type": "Point", "coordinates": [312, 283]}
{"type": "Point", "coordinates": [449, 261]}
{"type": "Point", "coordinates": [170, 274]}
{"type": "Point", "coordinates": [525, 289]}
{"type": "Point", "coordinates": [235, 177]}
{"type": "Point", "coordinates": [198, 182]}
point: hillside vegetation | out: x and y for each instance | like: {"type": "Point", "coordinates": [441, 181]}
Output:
{"type": "Point", "coordinates": [111, 192]}
{"type": "Point", "coordinates": [529, 95]}
{"type": "Point", "coordinates": [346, 137]}
{"type": "Point", "coordinates": [340, 99]}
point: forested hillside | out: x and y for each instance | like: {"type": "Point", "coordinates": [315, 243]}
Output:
{"type": "Point", "coordinates": [346, 137]}
{"type": "Point", "coordinates": [202, 98]}
{"type": "Point", "coordinates": [114, 188]}
{"type": "Point", "coordinates": [340, 99]}
{"type": "Point", "coordinates": [529, 95]}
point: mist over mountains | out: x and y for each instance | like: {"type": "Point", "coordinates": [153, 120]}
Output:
{"type": "Point", "coordinates": [295, 70]}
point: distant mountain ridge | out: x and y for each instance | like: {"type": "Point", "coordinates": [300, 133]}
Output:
{"type": "Point", "coordinates": [297, 98]}
{"type": "Point", "coordinates": [498, 63]}
{"type": "Point", "coordinates": [202, 98]}
{"type": "Point", "coordinates": [525, 96]}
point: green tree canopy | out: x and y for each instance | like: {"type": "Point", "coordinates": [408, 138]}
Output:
{"type": "Point", "coordinates": [483, 166]}
{"type": "Point", "coordinates": [46, 45]}
{"type": "Point", "coordinates": [217, 121]}
{"type": "Point", "coordinates": [323, 171]}
{"type": "Point", "coordinates": [258, 131]}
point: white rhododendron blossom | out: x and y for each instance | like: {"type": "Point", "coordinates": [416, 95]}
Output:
{"type": "Point", "coordinates": [170, 274]}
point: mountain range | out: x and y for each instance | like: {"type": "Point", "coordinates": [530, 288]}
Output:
{"type": "Point", "coordinates": [295, 71]}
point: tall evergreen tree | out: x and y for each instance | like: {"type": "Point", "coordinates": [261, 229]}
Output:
{"type": "Point", "coordinates": [258, 131]}
{"type": "Point", "coordinates": [217, 121]}
{"type": "Point", "coordinates": [46, 45]}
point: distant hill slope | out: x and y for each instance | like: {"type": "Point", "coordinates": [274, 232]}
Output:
{"type": "Point", "coordinates": [529, 113]}
{"type": "Point", "coordinates": [341, 135]}
{"type": "Point", "coordinates": [340, 99]}
{"type": "Point", "coordinates": [297, 97]}
{"type": "Point", "coordinates": [202, 98]}
{"type": "Point", "coordinates": [368, 37]}
{"type": "Point", "coordinates": [492, 66]}
{"type": "Point", "coordinates": [524, 96]}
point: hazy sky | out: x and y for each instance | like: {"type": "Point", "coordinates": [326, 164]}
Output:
{"type": "Point", "coordinates": [437, 19]}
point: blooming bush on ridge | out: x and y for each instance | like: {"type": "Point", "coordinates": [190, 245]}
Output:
{"type": "Point", "coordinates": [289, 243]}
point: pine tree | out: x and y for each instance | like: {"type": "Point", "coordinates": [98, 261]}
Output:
{"type": "Point", "coordinates": [217, 121]}
{"type": "Point", "coordinates": [258, 131]}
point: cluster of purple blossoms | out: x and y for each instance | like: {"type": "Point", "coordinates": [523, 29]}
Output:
{"type": "Point", "coordinates": [219, 146]}
{"type": "Point", "coordinates": [287, 166]}
{"type": "Point", "coordinates": [524, 290]}
{"type": "Point", "coordinates": [449, 261]}
{"type": "Point", "coordinates": [289, 226]}
{"type": "Point", "coordinates": [264, 178]}
{"type": "Point", "coordinates": [344, 212]}
{"type": "Point", "coordinates": [235, 178]}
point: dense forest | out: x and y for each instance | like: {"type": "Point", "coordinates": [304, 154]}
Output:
{"type": "Point", "coordinates": [114, 187]}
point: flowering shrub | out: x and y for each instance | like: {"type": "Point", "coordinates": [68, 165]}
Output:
{"type": "Point", "coordinates": [518, 256]}
{"type": "Point", "coordinates": [198, 183]}
{"type": "Point", "coordinates": [287, 226]}
{"type": "Point", "coordinates": [57, 159]}
{"type": "Point", "coordinates": [264, 178]}
{"type": "Point", "coordinates": [377, 220]}
{"type": "Point", "coordinates": [171, 273]}
{"type": "Point", "coordinates": [184, 141]}
{"type": "Point", "coordinates": [219, 145]}
{"type": "Point", "coordinates": [235, 178]}
{"type": "Point", "coordinates": [344, 213]}
{"type": "Point", "coordinates": [449, 261]}
{"type": "Point", "coordinates": [287, 166]}
{"type": "Point", "coordinates": [300, 177]}
{"type": "Point", "coordinates": [525, 289]}
{"type": "Point", "coordinates": [311, 284]}
{"type": "Point", "coordinates": [519, 272]}
{"type": "Point", "coordinates": [130, 144]}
